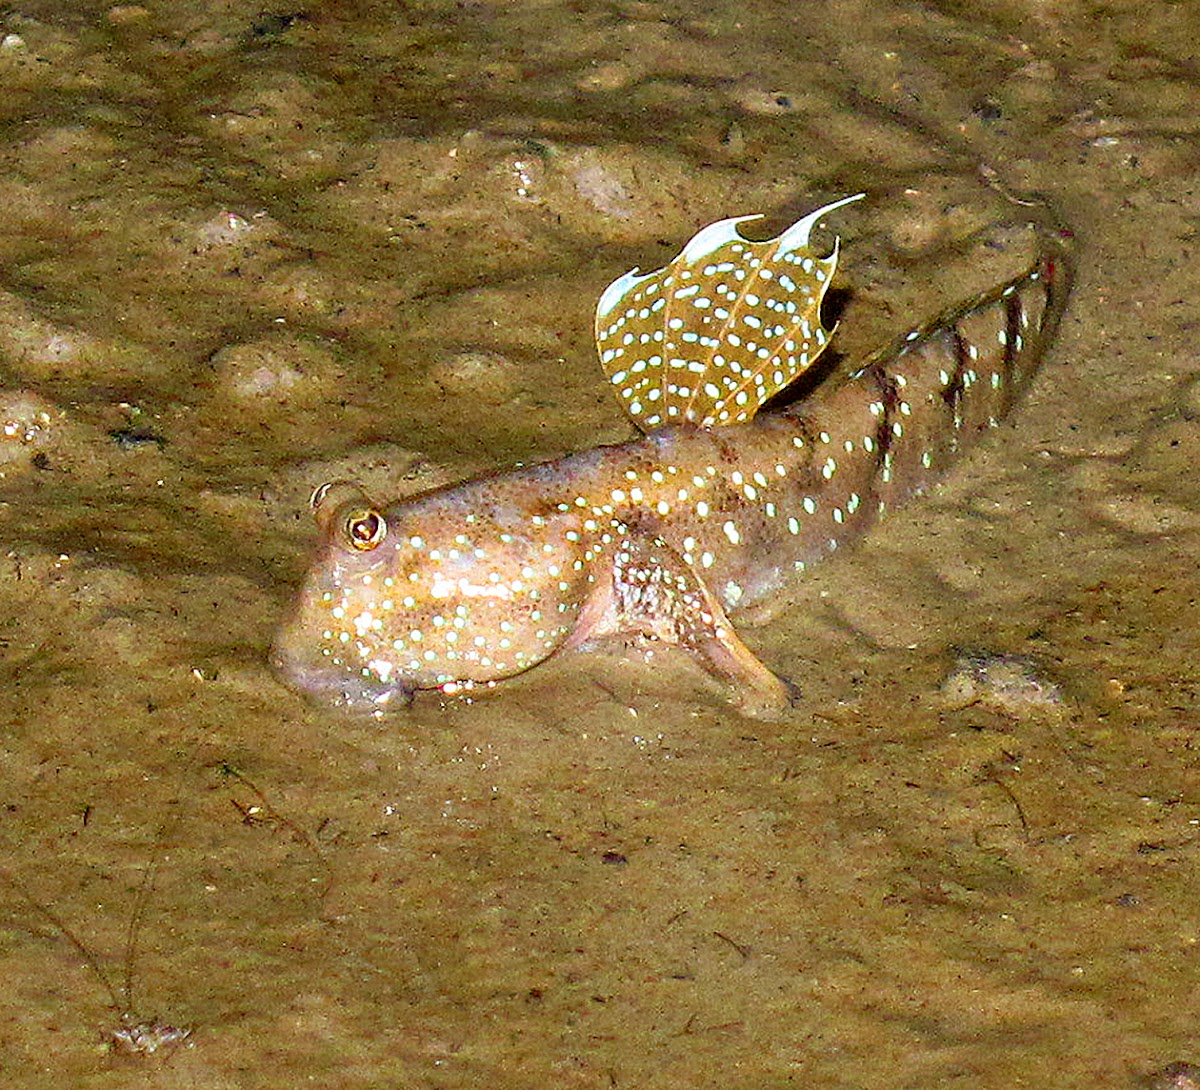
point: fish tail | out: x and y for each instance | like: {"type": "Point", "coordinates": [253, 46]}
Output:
{"type": "Point", "coordinates": [950, 381]}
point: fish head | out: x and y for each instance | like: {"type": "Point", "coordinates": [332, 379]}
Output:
{"type": "Point", "coordinates": [442, 592]}
{"type": "Point", "coordinates": [328, 645]}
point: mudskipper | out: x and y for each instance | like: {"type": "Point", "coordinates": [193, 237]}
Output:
{"type": "Point", "coordinates": [664, 537]}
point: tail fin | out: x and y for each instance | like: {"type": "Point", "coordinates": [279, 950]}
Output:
{"type": "Point", "coordinates": [958, 376]}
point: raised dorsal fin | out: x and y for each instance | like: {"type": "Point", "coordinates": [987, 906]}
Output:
{"type": "Point", "coordinates": [721, 329]}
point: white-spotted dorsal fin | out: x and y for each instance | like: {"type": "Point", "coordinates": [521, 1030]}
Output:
{"type": "Point", "coordinates": [721, 329]}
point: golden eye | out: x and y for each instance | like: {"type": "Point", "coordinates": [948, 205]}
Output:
{"type": "Point", "coordinates": [364, 529]}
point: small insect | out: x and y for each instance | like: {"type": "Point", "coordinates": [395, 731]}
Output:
{"type": "Point", "coordinates": [664, 537]}
{"type": "Point", "coordinates": [133, 1036]}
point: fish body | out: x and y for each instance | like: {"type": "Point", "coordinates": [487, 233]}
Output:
{"type": "Point", "coordinates": [666, 536]}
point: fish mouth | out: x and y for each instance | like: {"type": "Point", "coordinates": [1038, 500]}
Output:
{"type": "Point", "coordinates": [326, 683]}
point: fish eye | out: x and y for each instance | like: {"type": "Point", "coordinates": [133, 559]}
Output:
{"type": "Point", "coordinates": [364, 528]}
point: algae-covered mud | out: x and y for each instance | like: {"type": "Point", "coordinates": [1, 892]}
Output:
{"type": "Point", "coordinates": [246, 251]}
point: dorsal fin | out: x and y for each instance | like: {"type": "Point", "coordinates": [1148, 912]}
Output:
{"type": "Point", "coordinates": [721, 329]}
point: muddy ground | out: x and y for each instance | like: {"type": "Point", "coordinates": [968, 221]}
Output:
{"type": "Point", "coordinates": [246, 250]}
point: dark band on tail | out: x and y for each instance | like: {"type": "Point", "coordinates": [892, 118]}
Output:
{"type": "Point", "coordinates": [942, 385]}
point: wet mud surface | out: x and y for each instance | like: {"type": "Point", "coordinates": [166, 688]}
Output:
{"type": "Point", "coordinates": [247, 251]}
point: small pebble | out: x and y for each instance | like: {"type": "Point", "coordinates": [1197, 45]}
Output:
{"type": "Point", "coordinates": [121, 14]}
{"type": "Point", "coordinates": [37, 435]}
{"type": "Point", "coordinates": [757, 100]}
{"type": "Point", "coordinates": [1008, 683]}
{"type": "Point", "coordinates": [279, 369]}
{"type": "Point", "coordinates": [477, 371]}
{"type": "Point", "coordinates": [597, 184]}
{"type": "Point", "coordinates": [1180, 1075]}
{"type": "Point", "coordinates": [608, 77]}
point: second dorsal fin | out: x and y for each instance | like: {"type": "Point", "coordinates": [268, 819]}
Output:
{"type": "Point", "coordinates": [724, 327]}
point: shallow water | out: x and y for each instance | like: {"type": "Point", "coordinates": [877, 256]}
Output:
{"type": "Point", "coordinates": [245, 252]}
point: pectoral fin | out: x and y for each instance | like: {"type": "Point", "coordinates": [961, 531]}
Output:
{"type": "Point", "coordinates": [654, 594]}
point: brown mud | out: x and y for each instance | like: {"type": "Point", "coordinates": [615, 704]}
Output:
{"type": "Point", "coordinates": [248, 250]}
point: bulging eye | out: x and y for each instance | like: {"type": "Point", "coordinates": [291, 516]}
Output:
{"type": "Point", "coordinates": [365, 528]}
